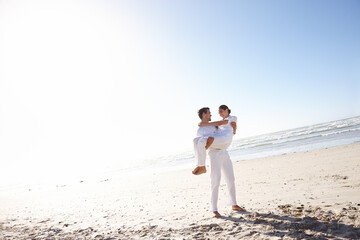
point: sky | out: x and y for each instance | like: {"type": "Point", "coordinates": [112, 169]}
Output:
{"type": "Point", "coordinates": [88, 84]}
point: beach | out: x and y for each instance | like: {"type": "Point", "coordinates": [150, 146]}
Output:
{"type": "Point", "coordinates": [312, 194]}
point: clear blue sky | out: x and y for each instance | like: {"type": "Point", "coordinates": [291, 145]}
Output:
{"type": "Point", "coordinates": [92, 83]}
{"type": "Point", "coordinates": [293, 59]}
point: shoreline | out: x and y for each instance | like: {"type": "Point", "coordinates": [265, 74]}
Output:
{"type": "Point", "coordinates": [299, 195]}
{"type": "Point", "coordinates": [117, 174]}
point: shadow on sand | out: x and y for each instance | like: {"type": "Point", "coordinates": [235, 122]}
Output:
{"type": "Point", "coordinates": [317, 225]}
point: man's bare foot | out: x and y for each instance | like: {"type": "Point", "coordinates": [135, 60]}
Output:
{"type": "Point", "coordinates": [217, 214]}
{"type": "Point", "coordinates": [199, 170]}
{"type": "Point", "coordinates": [209, 141]}
{"type": "Point", "coordinates": [237, 208]}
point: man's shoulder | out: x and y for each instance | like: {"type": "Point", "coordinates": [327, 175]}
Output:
{"type": "Point", "coordinates": [205, 130]}
{"type": "Point", "coordinates": [208, 128]}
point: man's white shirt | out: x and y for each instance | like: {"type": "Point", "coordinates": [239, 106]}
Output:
{"type": "Point", "coordinates": [206, 131]}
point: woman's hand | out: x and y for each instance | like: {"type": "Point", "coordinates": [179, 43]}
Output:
{"type": "Point", "coordinates": [233, 124]}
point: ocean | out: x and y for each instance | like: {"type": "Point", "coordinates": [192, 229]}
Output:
{"type": "Point", "coordinates": [322, 135]}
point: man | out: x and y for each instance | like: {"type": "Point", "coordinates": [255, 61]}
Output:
{"type": "Point", "coordinates": [219, 160]}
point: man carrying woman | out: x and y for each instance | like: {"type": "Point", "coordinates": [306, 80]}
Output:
{"type": "Point", "coordinates": [217, 137]}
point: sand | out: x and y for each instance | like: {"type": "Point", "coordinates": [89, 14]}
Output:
{"type": "Point", "coordinates": [311, 195]}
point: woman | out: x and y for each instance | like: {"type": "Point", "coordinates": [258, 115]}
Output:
{"type": "Point", "coordinates": [226, 127]}
{"type": "Point", "coordinates": [221, 139]}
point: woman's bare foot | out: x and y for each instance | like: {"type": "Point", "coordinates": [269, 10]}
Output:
{"type": "Point", "coordinates": [199, 170]}
{"type": "Point", "coordinates": [217, 214]}
{"type": "Point", "coordinates": [209, 141]}
{"type": "Point", "coordinates": [237, 208]}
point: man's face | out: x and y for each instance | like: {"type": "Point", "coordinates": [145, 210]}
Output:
{"type": "Point", "coordinates": [207, 116]}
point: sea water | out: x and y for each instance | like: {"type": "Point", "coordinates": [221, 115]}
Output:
{"type": "Point", "coordinates": [323, 135]}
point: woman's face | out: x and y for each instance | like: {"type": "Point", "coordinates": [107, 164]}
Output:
{"type": "Point", "coordinates": [223, 113]}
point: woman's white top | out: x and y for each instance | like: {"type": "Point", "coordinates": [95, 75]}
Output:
{"type": "Point", "coordinates": [227, 128]}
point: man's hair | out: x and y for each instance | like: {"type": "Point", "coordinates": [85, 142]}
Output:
{"type": "Point", "coordinates": [202, 111]}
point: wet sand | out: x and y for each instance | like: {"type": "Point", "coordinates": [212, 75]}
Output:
{"type": "Point", "coordinates": [311, 195]}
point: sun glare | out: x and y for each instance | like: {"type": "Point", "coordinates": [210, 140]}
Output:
{"type": "Point", "coordinates": [73, 77]}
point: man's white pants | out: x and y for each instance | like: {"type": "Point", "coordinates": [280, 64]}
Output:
{"type": "Point", "coordinates": [221, 163]}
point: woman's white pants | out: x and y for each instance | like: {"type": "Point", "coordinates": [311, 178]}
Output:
{"type": "Point", "coordinates": [220, 142]}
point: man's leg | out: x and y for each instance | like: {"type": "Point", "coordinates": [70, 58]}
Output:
{"type": "Point", "coordinates": [200, 155]}
{"type": "Point", "coordinates": [228, 170]}
{"type": "Point", "coordinates": [215, 176]}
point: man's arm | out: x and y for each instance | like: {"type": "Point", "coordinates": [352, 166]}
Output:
{"type": "Point", "coordinates": [217, 123]}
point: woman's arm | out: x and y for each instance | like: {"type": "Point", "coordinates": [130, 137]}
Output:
{"type": "Point", "coordinates": [233, 124]}
{"type": "Point", "coordinates": [217, 123]}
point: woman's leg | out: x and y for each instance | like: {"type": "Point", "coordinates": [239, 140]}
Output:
{"type": "Point", "coordinates": [200, 154]}
{"type": "Point", "coordinates": [200, 151]}
{"type": "Point", "coordinates": [222, 141]}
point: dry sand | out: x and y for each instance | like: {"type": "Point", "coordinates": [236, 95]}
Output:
{"type": "Point", "coordinates": [311, 195]}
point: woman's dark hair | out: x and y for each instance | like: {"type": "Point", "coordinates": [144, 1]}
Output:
{"type": "Point", "coordinates": [202, 111]}
{"type": "Point", "coordinates": [224, 107]}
